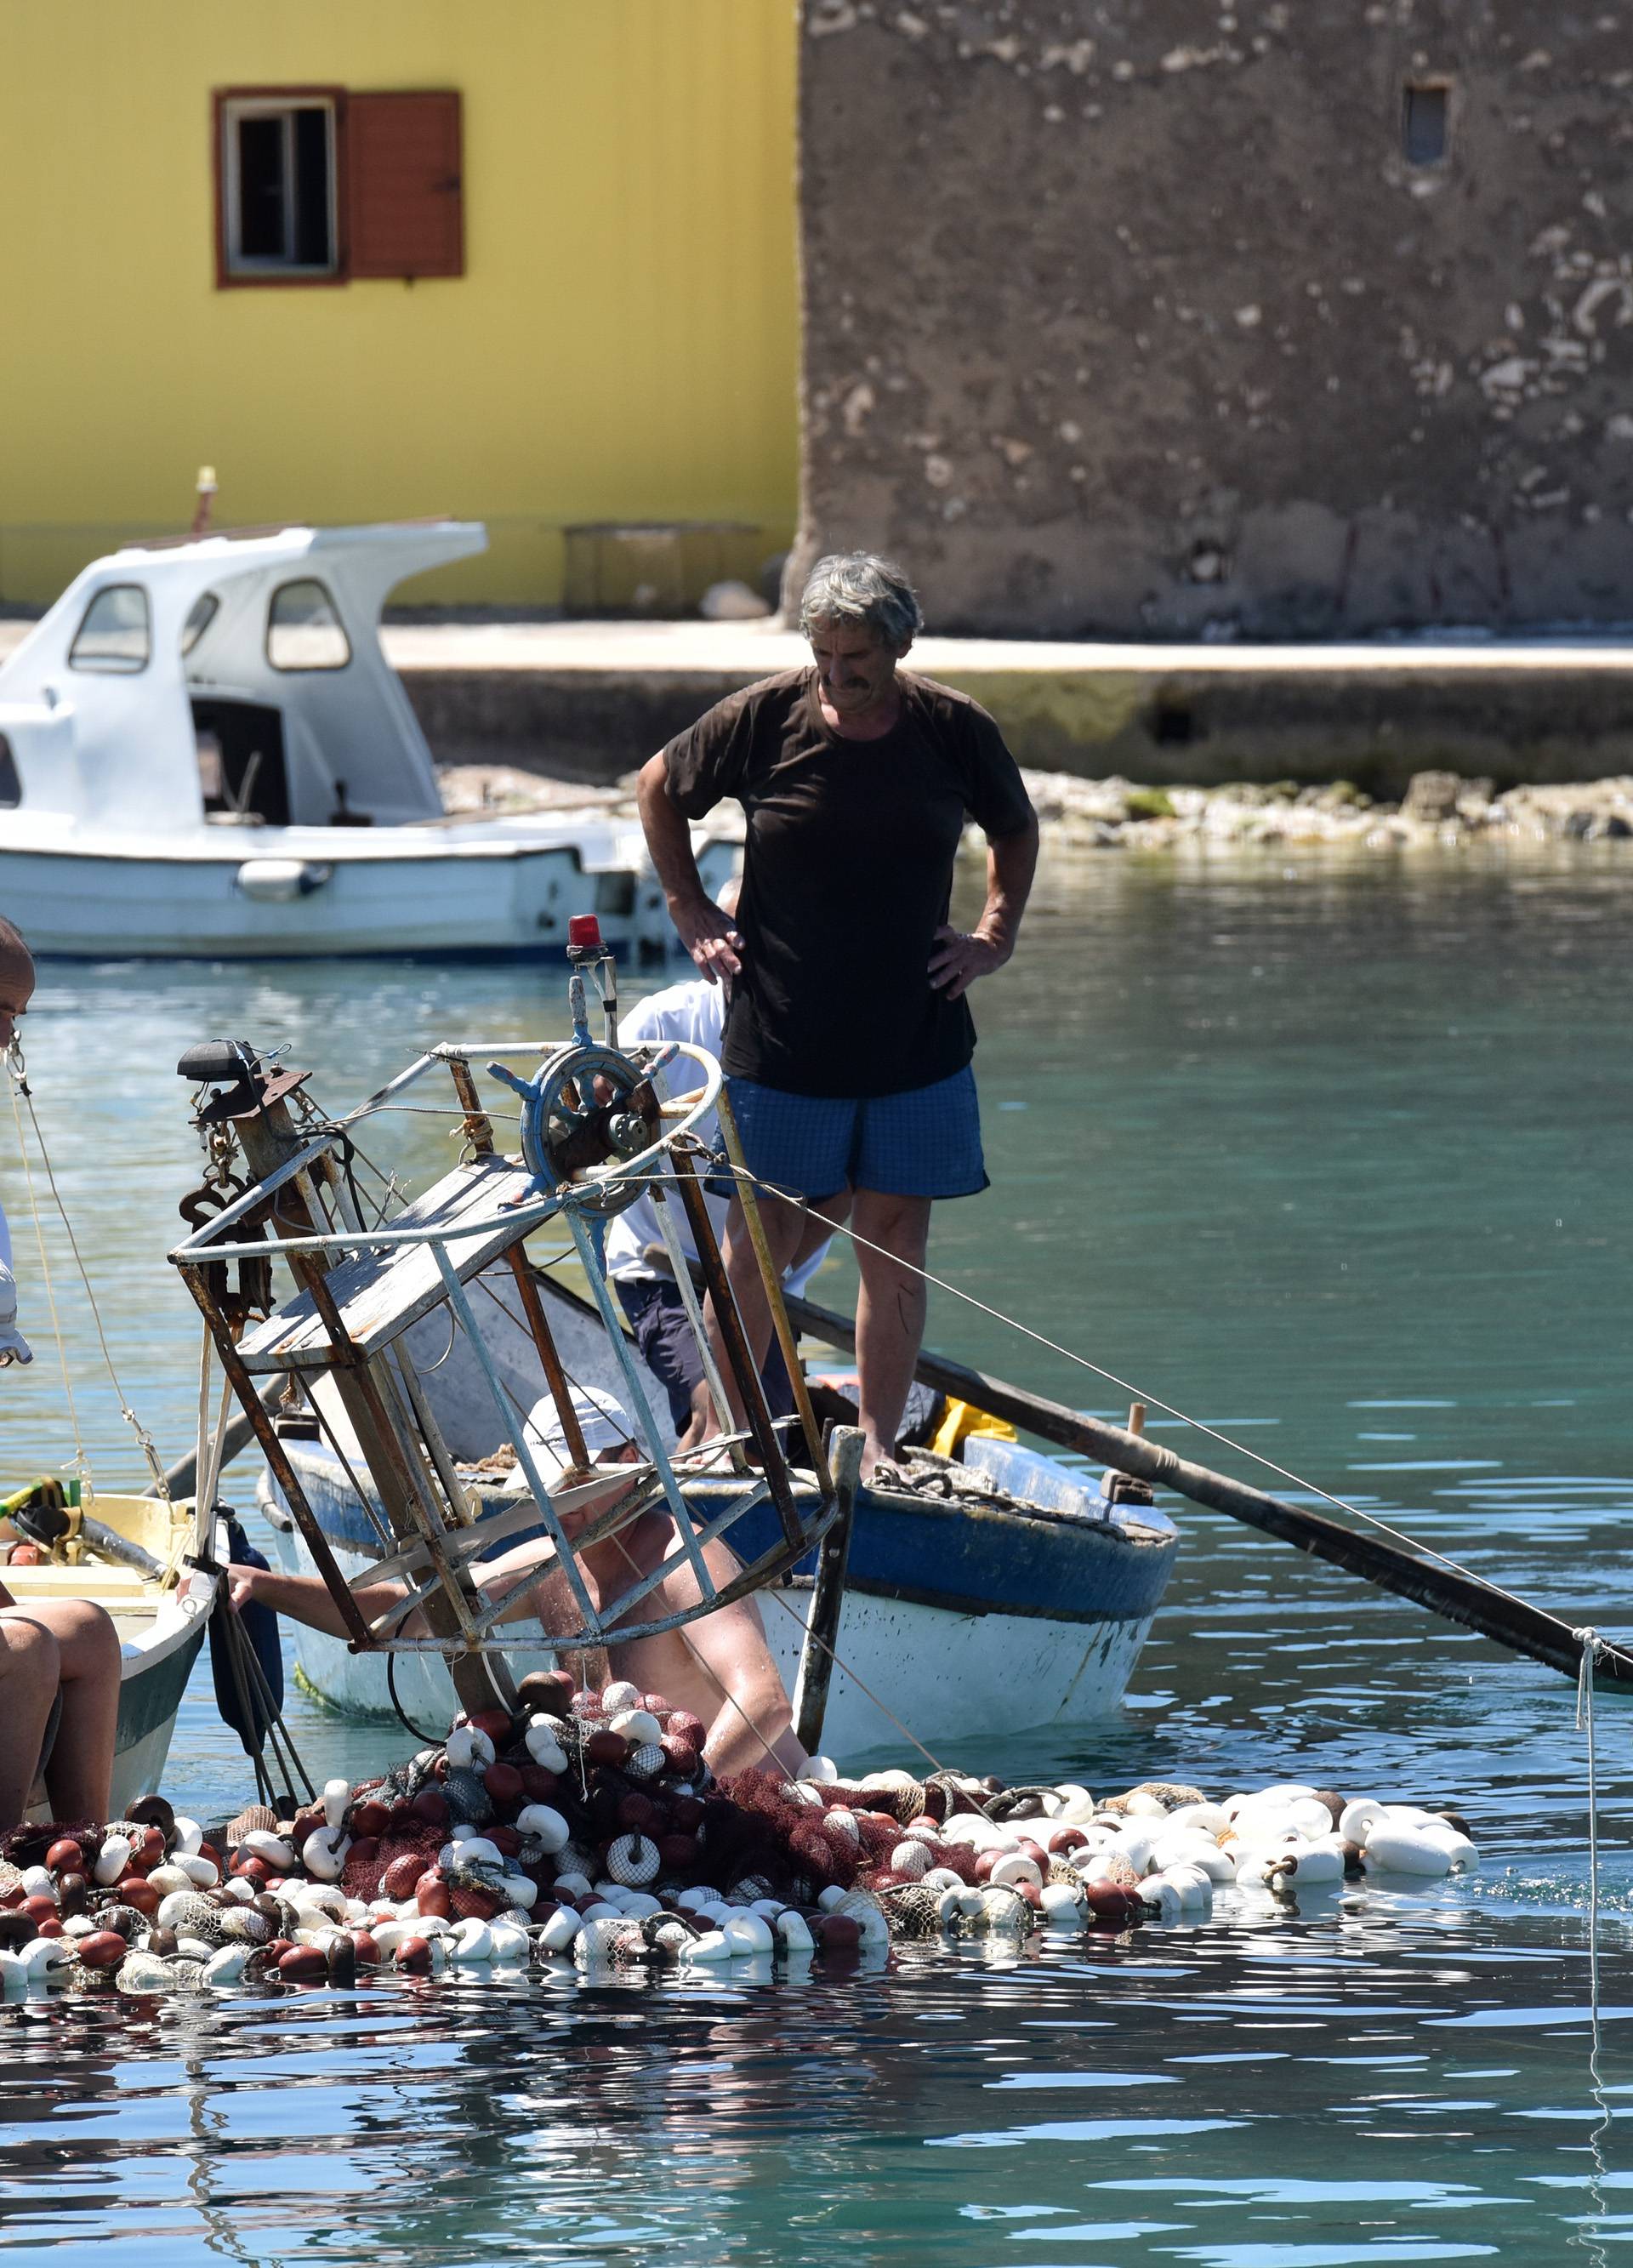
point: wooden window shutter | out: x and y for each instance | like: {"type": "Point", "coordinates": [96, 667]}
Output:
{"type": "Point", "coordinates": [405, 207]}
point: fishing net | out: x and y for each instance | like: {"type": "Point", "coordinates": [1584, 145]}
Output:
{"type": "Point", "coordinates": [361, 1878]}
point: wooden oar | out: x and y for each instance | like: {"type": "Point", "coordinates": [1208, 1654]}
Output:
{"type": "Point", "coordinates": [1461, 1599]}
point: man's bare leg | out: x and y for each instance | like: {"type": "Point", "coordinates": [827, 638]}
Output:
{"type": "Point", "coordinates": [29, 1671]}
{"type": "Point", "coordinates": [79, 1777]}
{"type": "Point", "coordinates": [890, 1312]}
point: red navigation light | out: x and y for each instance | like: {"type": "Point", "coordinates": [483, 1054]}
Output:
{"type": "Point", "coordinates": [583, 928]}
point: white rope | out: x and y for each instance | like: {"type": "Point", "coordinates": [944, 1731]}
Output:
{"type": "Point", "coordinates": [1591, 1646]}
{"type": "Point", "coordinates": [1143, 1394]}
{"type": "Point", "coordinates": [20, 1086]}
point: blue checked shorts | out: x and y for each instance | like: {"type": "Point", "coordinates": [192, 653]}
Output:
{"type": "Point", "coordinates": [924, 1144]}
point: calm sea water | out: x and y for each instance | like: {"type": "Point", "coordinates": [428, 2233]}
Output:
{"type": "Point", "coordinates": [1332, 1157]}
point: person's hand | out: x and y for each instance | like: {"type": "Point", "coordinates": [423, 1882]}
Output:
{"type": "Point", "coordinates": [960, 956]}
{"type": "Point", "coordinates": [709, 937]}
{"type": "Point", "coordinates": [241, 1586]}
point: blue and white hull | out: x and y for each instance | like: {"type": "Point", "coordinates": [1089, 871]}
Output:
{"type": "Point", "coordinates": [969, 1618]}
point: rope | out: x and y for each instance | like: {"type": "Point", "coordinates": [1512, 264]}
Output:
{"type": "Point", "coordinates": [1591, 1646]}
{"type": "Point", "coordinates": [19, 1085]}
{"type": "Point", "coordinates": [145, 1440]}
{"type": "Point", "coordinates": [1143, 1394]}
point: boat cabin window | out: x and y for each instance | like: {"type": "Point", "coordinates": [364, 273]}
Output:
{"type": "Point", "coordinates": [116, 633]}
{"type": "Point", "coordinates": [277, 185]}
{"type": "Point", "coordinates": [11, 787]}
{"type": "Point", "coordinates": [303, 629]}
{"type": "Point", "coordinates": [201, 614]}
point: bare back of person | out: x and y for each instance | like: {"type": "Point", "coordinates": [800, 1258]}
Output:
{"type": "Point", "coordinates": [718, 1667]}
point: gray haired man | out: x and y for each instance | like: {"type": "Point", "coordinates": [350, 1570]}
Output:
{"type": "Point", "coordinates": [848, 1039]}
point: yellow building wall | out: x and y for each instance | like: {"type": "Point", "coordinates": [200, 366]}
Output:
{"type": "Point", "coordinates": [622, 346]}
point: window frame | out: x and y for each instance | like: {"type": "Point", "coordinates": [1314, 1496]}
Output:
{"type": "Point", "coordinates": [110, 668]}
{"type": "Point", "coordinates": [188, 638]}
{"type": "Point", "coordinates": [306, 668]}
{"type": "Point", "coordinates": [230, 102]}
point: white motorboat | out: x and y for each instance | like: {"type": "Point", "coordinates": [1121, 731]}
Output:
{"type": "Point", "coordinates": [204, 752]}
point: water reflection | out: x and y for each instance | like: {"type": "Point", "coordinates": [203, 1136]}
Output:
{"type": "Point", "coordinates": [1253, 2094]}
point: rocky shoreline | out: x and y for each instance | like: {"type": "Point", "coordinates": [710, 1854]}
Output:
{"type": "Point", "coordinates": [1439, 811]}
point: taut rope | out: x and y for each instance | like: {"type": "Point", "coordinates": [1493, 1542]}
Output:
{"type": "Point", "coordinates": [145, 1440]}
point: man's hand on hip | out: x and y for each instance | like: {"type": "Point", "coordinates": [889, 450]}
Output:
{"type": "Point", "coordinates": [709, 936]}
{"type": "Point", "coordinates": [960, 956]}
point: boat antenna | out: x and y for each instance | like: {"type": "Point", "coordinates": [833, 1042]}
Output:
{"type": "Point", "coordinates": [205, 488]}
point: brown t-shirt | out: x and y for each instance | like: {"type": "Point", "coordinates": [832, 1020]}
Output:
{"type": "Point", "coordinates": [846, 877]}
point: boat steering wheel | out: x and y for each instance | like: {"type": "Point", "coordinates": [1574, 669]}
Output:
{"type": "Point", "coordinates": [585, 1107]}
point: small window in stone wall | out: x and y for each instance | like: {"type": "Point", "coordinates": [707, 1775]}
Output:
{"type": "Point", "coordinates": [1426, 122]}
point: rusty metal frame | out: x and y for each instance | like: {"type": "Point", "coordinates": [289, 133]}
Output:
{"type": "Point", "coordinates": [319, 1223]}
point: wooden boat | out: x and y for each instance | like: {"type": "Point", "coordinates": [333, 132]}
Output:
{"type": "Point", "coordinates": [991, 1595]}
{"type": "Point", "coordinates": [998, 1593]}
{"type": "Point", "coordinates": [160, 1631]}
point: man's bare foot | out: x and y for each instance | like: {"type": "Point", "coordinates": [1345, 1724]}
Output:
{"type": "Point", "coordinates": [876, 1453]}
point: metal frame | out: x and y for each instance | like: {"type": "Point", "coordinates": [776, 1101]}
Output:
{"type": "Point", "coordinates": [426, 1503]}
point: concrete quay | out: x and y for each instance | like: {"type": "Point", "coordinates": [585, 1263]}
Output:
{"type": "Point", "coordinates": [589, 700]}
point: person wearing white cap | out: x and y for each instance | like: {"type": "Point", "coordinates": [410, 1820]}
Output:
{"type": "Point", "coordinates": [718, 1667]}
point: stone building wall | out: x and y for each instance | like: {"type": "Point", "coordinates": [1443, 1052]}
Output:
{"type": "Point", "coordinates": [1138, 317]}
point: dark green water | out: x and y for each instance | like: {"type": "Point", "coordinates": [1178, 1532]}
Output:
{"type": "Point", "coordinates": [1331, 1156]}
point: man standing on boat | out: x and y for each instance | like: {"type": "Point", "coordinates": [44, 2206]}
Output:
{"type": "Point", "coordinates": [849, 1038]}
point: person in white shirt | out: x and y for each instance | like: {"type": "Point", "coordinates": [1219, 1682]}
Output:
{"type": "Point", "coordinates": [636, 1256]}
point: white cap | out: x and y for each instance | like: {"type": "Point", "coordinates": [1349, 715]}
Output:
{"type": "Point", "coordinates": [13, 1346]}
{"type": "Point", "coordinates": [604, 1422]}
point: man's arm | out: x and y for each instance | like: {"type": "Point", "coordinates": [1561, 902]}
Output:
{"type": "Point", "coordinates": [959, 959]}
{"type": "Point", "coordinates": [707, 933]}
{"type": "Point", "coordinates": [306, 1598]}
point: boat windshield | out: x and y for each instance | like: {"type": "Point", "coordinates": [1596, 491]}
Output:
{"type": "Point", "coordinates": [115, 633]}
